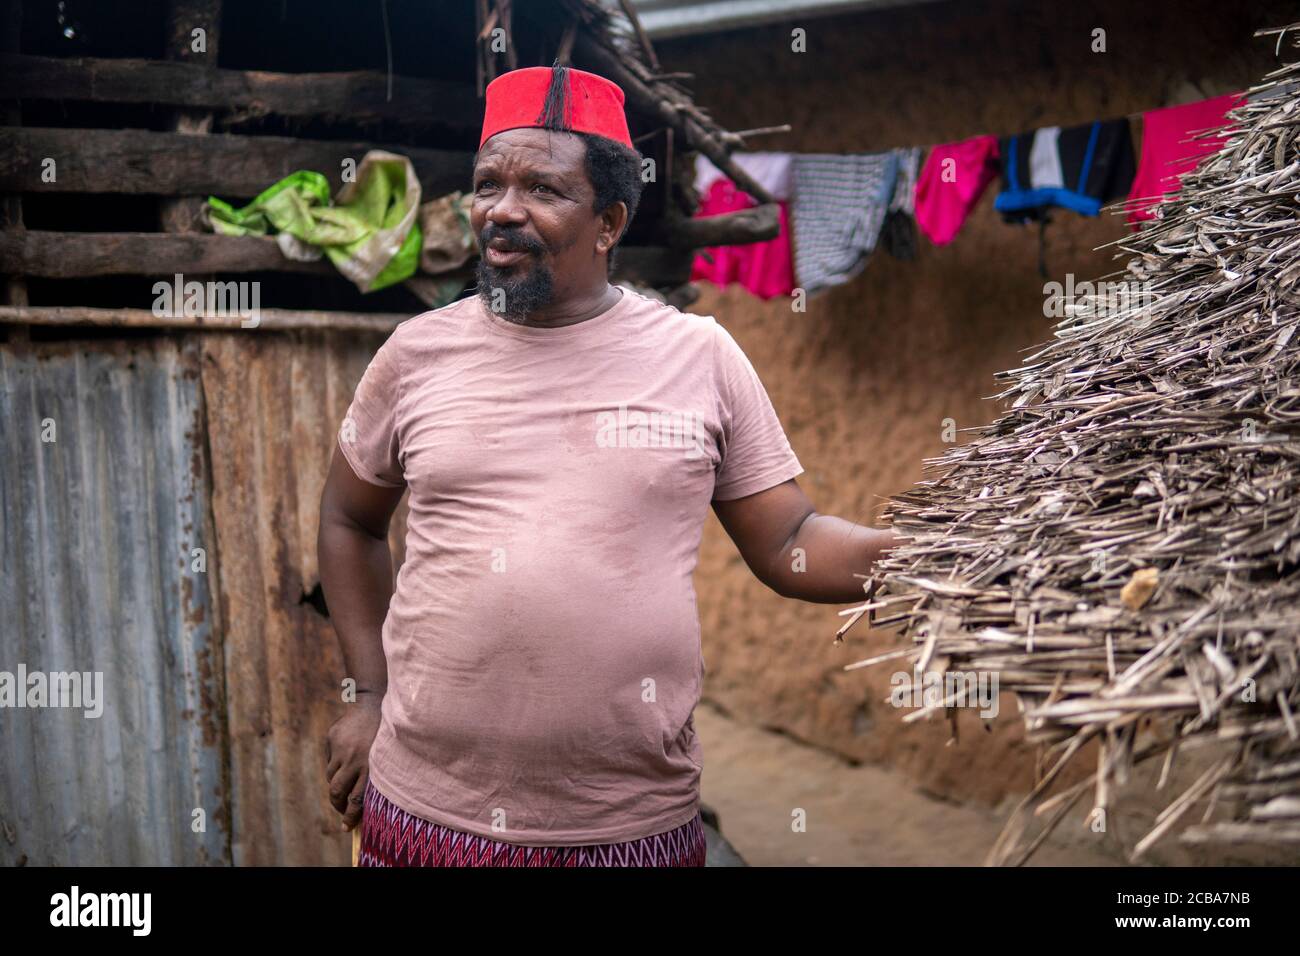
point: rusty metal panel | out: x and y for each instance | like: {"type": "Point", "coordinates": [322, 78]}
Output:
{"type": "Point", "coordinates": [275, 401]}
{"type": "Point", "coordinates": [98, 531]}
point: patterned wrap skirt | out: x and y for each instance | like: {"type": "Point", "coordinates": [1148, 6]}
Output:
{"type": "Point", "coordinates": [392, 837]}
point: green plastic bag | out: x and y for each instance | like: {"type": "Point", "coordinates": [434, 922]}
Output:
{"type": "Point", "coordinates": [370, 232]}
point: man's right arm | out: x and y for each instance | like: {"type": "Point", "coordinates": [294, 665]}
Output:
{"type": "Point", "coordinates": [356, 570]}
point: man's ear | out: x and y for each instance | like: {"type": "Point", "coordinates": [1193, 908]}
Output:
{"type": "Point", "coordinates": [613, 225]}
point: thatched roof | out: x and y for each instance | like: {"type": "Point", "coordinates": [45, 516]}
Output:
{"type": "Point", "coordinates": [1122, 545]}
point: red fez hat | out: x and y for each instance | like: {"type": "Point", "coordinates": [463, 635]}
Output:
{"type": "Point", "coordinates": [561, 98]}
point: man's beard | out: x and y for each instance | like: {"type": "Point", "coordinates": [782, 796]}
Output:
{"type": "Point", "coordinates": [514, 295]}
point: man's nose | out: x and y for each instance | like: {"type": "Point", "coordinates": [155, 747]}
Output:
{"type": "Point", "coordinates": [507, 209]}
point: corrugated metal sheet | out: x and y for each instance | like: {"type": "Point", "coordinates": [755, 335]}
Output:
{"type": "Point", "coordinates": [220, 686]}
{"type": "Point", "coordinates": [97, 529]}
{"type": "Point", "coordinates": [274, 405]}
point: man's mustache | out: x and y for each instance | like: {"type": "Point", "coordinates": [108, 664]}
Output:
{"type": "Point", "coordinates": [516, 240]}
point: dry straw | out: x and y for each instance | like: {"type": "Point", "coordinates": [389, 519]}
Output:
{"type": "Point", "coordinates": [1121, 546]}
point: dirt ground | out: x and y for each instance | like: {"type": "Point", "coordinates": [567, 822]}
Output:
{"type": "Point", "coordinates": [756, 779]}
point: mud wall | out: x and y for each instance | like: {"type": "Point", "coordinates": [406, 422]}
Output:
{"type": "Point", "coordinates": [865, 378]}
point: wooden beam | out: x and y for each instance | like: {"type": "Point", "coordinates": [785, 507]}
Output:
{"type": "Point", "coordinates": [269, 319]}
{"type": "Point", "coordinates": [174, 164]}
{"type": "Point", "coordinates": [671, 109]}
{"type": "Point", "coordinates": [755, 224]}
{"type": "Point", "coordinates": [71, 255]}
{"type": "Point", "coordinates": [360, 96]}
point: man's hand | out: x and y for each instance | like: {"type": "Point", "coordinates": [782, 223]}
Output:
{"type": "Point", "coordinates": [347, 755]}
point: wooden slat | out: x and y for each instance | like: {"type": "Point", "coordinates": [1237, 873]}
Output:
{"type": "Point", "coordinates": [72, 255]}
{"type": "Point", "coordinates": [173, 164]}
{"type": "Point", "coordinates": [360, 96]}
{"type": "Point", "coordinates": [269, 319]}
{"type": "Point", "coordinates": [69, 255]}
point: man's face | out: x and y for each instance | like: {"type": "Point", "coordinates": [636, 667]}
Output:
{"type": "Point", "coordinates": [532, 212]}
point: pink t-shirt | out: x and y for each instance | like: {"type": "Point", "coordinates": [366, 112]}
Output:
{"type": "Point", "coordinates": [543, 643]}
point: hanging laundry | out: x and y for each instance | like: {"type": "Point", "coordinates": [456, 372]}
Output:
{"type": "Point", "coordinates": [770, 170]}
{"type": "Point", "coordinates": [839, 205]}
{"type": "Point", "coordinates": [954, 177]}
{"type": "Point", "coordinates": [1076, 167]}
{"type": "Point", "coordinates": [1169, 149]}
{"type": "Point", "coordinates": [898, 234]}
{"type": "Point", "coordinates": [763, 268]}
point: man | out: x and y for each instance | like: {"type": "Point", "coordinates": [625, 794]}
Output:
{"type": "Point", "coordinates": [525, 692]}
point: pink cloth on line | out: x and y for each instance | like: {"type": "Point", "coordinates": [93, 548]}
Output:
{"type": "Point", "coordinates": [1168, 149]}
{"type": "Point", "coordinates": [543, 642]}
{"type": "Point", "coordinates": [954, 177]}
{"type": "Point", "coordinates": [766, 269]}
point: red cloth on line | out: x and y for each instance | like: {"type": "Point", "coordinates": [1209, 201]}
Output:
{"type": "Point", "coordinates": [954, 177]}
{"type": "Point", "coordinates": [765, 269]}
{"type": "Point", "coordinates": [1168, 149]}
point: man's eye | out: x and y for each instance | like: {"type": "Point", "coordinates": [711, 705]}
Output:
{"type": "Point", "coordinates": [483, 185]}
{"type": "Point", "coordinates": [544, 186]}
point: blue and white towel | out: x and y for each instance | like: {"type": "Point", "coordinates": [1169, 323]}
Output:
{"type": "Point", "coordinates": [838, 207]}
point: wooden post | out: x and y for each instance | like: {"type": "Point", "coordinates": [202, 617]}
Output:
{"type": "Point", "coordinates": [14, 290]}
{"type": "Point", "coordinates": [181, 214]}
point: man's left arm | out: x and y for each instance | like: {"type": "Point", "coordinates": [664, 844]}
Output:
{"type": "Point", "coordinates": [799, 553]}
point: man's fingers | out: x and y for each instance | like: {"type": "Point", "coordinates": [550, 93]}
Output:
{"type": "Point", "coordinates": [332, 769]}
{"type": "Point", "coordinates": [341, 785]}
{"type": "Point", "coordinates": [356, 802]}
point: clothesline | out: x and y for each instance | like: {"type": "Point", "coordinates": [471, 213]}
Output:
{"type": "Point", "coordinates": [1136, 115]}
{"type": "Point", "coordinates": [839, 205]}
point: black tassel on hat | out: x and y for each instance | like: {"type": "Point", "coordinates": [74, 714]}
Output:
{"type": "Point", "coordinates": [555, 108]}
